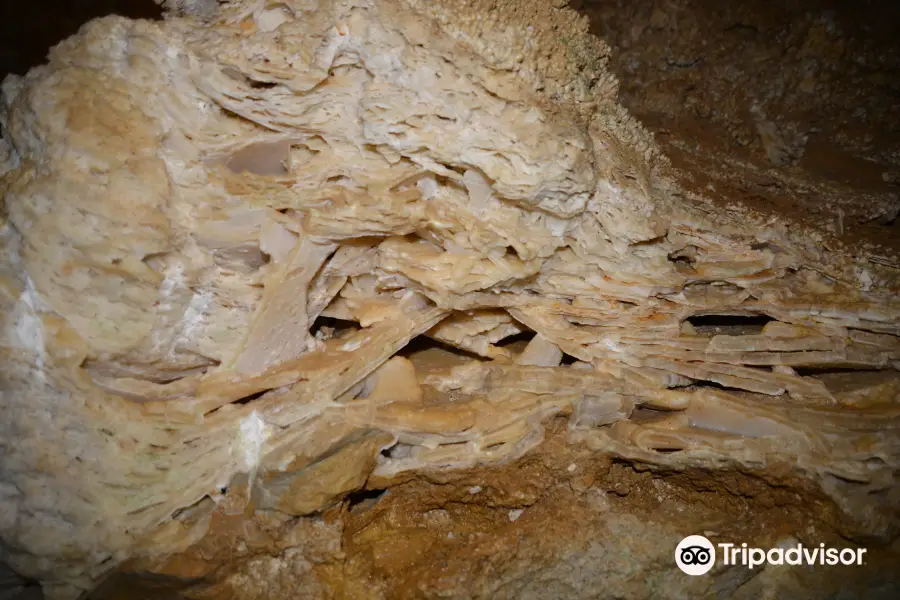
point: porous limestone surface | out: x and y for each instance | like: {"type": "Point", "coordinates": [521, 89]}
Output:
{"type": "Point", "coordinates": [221, 230]}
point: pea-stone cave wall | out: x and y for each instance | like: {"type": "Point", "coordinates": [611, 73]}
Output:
{"type": "Point", "coordinates": [396, 299]}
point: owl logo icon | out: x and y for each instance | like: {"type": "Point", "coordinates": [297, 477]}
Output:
{"type": "Point", "coordinates": [695, 555]}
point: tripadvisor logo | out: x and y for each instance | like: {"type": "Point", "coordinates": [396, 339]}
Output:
{"type": "Point", "coordinates": [696, 555]}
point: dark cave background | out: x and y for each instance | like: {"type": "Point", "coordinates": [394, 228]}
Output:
{"type": "Point", "coordinates": [31, 27]}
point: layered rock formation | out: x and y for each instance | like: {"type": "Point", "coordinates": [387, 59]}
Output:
{"type": "Point", "coordinates": [260, 256]}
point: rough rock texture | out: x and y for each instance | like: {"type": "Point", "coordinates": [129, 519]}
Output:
{"type": "Point", "coordinates": [260, 257]}
{"type": "Point", "coordinates": [789, 106]}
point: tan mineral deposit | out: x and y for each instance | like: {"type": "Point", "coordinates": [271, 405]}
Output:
{"type": "Point", "coordinates": [375, 299]}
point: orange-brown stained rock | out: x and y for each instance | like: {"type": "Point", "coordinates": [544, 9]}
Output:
{"type": "Point", "coordinates": [556, 516]}
{"type": "Point", "coordinates": [445, 533]}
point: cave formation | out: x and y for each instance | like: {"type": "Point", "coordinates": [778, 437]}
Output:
{"type": "Point", "coordinates": [450, 298]}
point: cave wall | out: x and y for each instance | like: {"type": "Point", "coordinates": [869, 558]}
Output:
{"type": "Point", "coordinates": [402, 301]}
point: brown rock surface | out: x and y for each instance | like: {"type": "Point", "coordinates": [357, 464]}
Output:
{"type": "Point", "coordinates": [789, 106]}
{"type": "Point", "coordinates": [394, 300]}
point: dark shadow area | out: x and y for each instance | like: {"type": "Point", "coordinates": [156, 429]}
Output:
{"type": "Point", "coordinates": [519, 339]}
{"type": "Point", "coordinates": [362, 499]}
{"type": "Point", "coordinates": [729, 320]}
{"type": "Point", "coordinates": [729, 324]}
{"type": "Point", "coordinates": [15, 587]}
{"type": "Point", "coordinates": [328, 327]}
{"type": "Point", "coordinates": [422, 343]}
{"type": "Point", "coordinates": [29, 29]}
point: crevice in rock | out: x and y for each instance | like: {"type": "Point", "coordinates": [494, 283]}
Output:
{"type": "Point", "coordinates": [363, 499]}
{"type": "Point", "coordinates": [250, 398]}
{"type": "Point", "coordinates": [518, 340]}
{"type": "Point", "coordinates": [424, 343]}
{"type": "Point", "coordinates": [329, 327]}
{"type": "Point", "coordinates": [733, 324]}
